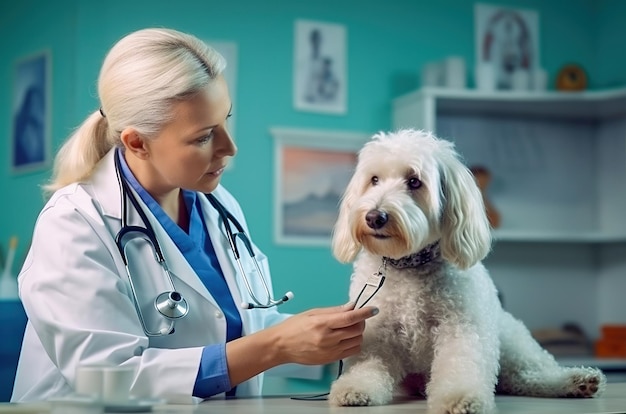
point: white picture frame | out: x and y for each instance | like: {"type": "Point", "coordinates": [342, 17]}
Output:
{"type": "Point", "coordinates": [312, 170]}
{"type": "Point", "coordinates": [507, 43]}
{"type": "Point", "coordinates": [320, 67]}
{"type": "Point", "coordinates": [30, 139]}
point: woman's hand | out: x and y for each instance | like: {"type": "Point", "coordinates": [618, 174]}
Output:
{"type": "Point", "coordinates": [315, 337]}
{"type": "Point", "coordinates": [320, 336]}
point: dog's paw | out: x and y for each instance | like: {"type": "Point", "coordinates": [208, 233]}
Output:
{"type": "Point", "coordinates": [361, 391]}
{"type": "Point", "coordinates": [349, 397]}
{"type": "Point", "coordinates": [462, 404]}
{"type": "Point", "coordinates": [585, 383]}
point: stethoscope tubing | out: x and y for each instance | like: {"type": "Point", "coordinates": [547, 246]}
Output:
{"type": "Point", "coordinates": [147, 233]}
{"type": "Point", "coordinates": [170, 304]}
{"type": "Point", "coordinates": [227, 218]}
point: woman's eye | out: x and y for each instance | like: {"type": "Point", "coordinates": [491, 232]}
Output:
{"type": "Point", "coordinates": [414, 183]}
{"type": "Point", "coordinates": [374, 180]}
{"type": "Point", "coordinates": [205, 139]}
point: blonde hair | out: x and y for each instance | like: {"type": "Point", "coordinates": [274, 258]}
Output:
{"type": "Point", "coordinates": [142, 76]}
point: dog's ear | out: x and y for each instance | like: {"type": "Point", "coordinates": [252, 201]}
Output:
{"type": "Point", "coordinates": [344, 245]}
{"type": "Point", "coordinates": [465, 230]}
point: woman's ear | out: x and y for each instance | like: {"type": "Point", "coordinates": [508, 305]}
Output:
{"type": "Point", "coordinates": [134, 143]}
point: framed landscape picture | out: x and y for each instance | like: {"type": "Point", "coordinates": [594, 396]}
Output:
{"type": "Point", "coordinates": [312, 170]}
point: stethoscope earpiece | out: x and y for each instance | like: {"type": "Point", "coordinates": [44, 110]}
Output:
{"type": "Point", "coordinates": [287, 296]}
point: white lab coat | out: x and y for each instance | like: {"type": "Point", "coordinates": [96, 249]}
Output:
{"type": "Point", "coordinates": [76, 294]}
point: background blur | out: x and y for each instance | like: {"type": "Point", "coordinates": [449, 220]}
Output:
{"type": "Point", "coordinates": [388, 42]}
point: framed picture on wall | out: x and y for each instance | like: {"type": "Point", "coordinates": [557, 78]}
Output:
{"type": "Point", "coordinates": [30, 146]}
{"type": "Point", "coordinates": [507, 46]}
{"type": "Point", "coordinates": [229, 51]}
{"type": "Point", "coordinates": [312, 170]}
{"type": "Point", "coordinates": [320, 83]}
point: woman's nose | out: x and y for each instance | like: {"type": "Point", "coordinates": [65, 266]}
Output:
{"type": "Point", "coordinates": [227, 145]}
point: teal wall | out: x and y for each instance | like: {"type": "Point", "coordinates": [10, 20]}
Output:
{"type": "Point", "coordinates": [387, 44]}
{"type": "Point", "coordinates": [610, 38]}
{"type": "Point", "coordinates": [387, 41]}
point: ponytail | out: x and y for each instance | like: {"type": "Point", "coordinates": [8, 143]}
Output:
{"type": "Point", "coordinates": [80, 153]}
{"type": "Point", "coordinates": [141, 78]}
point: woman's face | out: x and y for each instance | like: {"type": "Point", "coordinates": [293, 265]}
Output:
{"type": "Point", "coordinates": [192, 151]}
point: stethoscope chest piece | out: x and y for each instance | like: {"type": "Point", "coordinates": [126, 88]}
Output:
{"type": "Point", "coordinates": [171, 305]}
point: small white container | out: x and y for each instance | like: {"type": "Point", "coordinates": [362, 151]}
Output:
{"type": "Point", "coordinates": [454, 72]}
{"type": "Point", "coordinates": [431, 75]}
{"type": "Point", "coordinates": [89, 380]}
{"type": "Point", "coordinates": [105, 383]}
{"type": "Point", "coordinates": [485, 77]}
{"type": "Point", "coordinates": [520, 81]}
{"type": "Point", "coordinates": [116, 383]}
{"type": "Point", "coordinates": [540, 79]}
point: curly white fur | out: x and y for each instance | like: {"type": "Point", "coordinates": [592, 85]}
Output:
{"type": "Point", "coordinates": [441, 321]}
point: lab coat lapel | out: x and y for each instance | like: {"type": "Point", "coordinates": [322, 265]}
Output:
{"type": "Point", "coordinates": [224, 255]}
{"type": "Point", "coordinates": [107, 192]}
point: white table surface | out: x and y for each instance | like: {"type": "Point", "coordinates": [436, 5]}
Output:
{"type": "Point", "coordinates": [611, 402]}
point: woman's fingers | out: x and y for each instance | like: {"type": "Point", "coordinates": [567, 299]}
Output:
{"type": "Point", "coordinates": [333, 309]}
{"type": "Point", "coordinates": [351, 343]}
{"type": "Point", "coordinates": [352, 317]}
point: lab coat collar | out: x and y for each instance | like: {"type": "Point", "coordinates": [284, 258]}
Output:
{"type": "Point", "coordinates": [106, 188]}
{"type": "Point", "coordinates": [107, 192]}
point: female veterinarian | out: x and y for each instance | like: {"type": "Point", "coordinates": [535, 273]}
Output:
{"type": "Point", "coordinates": [132, 260]}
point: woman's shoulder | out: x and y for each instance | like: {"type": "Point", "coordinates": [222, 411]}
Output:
{"type": "Point", "coordinates": [71, 201]}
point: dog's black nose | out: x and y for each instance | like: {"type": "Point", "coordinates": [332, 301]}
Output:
{"type": "Point", "coordinates": [376, 219]}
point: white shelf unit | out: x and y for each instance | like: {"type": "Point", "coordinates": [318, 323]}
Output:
{"type": "Point", "coordinates": [558, 159]}
{"type": "Point", "coordinates": [558, 164]}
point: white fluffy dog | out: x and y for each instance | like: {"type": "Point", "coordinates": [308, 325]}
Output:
{"type": "Point", "coordinates": [413, 212]}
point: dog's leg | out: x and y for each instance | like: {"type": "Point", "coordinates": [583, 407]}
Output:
{"type": "Point", "coordinates": [464, 371]}
{"type": "Point", "coordinates": [366, 381]}
{"type": "Point", "coordinates": [528, 369]}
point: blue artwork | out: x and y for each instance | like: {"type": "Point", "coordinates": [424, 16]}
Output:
{"type": "Point", "coordinates": [30, 102]}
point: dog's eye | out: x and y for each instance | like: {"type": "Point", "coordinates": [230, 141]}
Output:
{"type": "Point", "coordinates": [374, 180]}
{"type": "Point", "coordinates": [414, 183]}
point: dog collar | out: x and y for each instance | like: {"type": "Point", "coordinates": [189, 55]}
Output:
{"type": "Point", "coordinates": [426, 255]}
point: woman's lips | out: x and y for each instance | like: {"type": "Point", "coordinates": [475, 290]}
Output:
{"type": "Point", "coordinates": [217, 172]}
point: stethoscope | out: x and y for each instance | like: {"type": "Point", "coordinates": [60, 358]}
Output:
{"type": "Point", "coordinates": [171, 304]}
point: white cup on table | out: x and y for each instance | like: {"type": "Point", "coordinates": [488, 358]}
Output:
{"type": "Point", "coordinates": [89, 380]}
{"type": "Point", "coordinates": [116, 383]}
{"type": "Point", "coordinates": [107, 383]}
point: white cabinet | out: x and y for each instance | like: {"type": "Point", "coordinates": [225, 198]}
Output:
{"type": "Point", "coordinates": [558, 160]}
{"type": "Point", "coordinates": [558, 166]}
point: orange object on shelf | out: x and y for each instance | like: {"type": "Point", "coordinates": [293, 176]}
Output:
{"type": "Point", "coordinates": [614, 332]}
{"type": "Point", "coordinates": [612, 343]}
{"type": "Point", "coordinates": [607, 348]}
